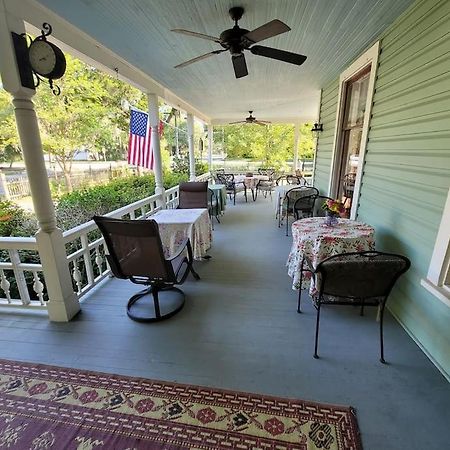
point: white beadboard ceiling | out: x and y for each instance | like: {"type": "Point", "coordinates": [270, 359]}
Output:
{"type": "Point", "coordinates": [331, 33]}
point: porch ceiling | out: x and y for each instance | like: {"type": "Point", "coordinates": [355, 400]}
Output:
{"type": "Point", "coordinates": [330, 33]}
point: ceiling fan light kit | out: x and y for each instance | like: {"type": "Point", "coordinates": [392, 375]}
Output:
{"type": "Point", "coordinates": [236, 40]}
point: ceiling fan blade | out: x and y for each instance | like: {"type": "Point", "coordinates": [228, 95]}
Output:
{"type": "Point", "coordinates": [240, 66]}
{"type": "Point", "coordinates": [281, 55]}
{"type": "Point", "coordinates": [260, 122]}
{"type": "Point", "coordinates": [199, 35]}
{"type": "Point", "coordinates": [239, 121]}
{"type": "Point", "coordinates": [198, 58]}
{"type": "Point", "coordinates": [269, 29]}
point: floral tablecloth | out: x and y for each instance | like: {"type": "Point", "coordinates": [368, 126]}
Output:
{"type": "Point", "coordinates": [250, 182]}
{"type": "Point", "coordinates": [175, 225]}
{"type": "Point", "coordinates": [315, 240]}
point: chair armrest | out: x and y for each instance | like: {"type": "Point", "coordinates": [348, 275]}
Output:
{"type": "Point", "coordinates": [185, 244]}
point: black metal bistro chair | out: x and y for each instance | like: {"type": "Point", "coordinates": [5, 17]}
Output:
{"type": "Point", "coordinates": [213, 206]}
{"type": "Point", "coordinates": [318, 211]}
{"type": "Point", "coordinates": [360, 279]}
{"type": "Point", "coordinates": [304, 206]}
{"type": "Point", "coordinates": [231, 186]}
{"type": "Point", "coordinates": [287, 206]}
{"type": "Point", "coordinates": [136, 254]}
{"type": "Point", "coordinates": [290, 179]}
{"type": "Point", "coordinates": [193, 194]}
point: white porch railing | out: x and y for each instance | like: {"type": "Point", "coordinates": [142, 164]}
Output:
{"type": "Point", "coordinates": [85, 250]}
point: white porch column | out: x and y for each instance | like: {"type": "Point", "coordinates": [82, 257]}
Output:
{"type": "Point", "coordinates": [63, 302]}
{"type": "Point", "coordinates": [296, 139]}
{"type": "Point", "coordinates": [153, 115]}
{"type": "Point", "coordinates": [210, 145]}
{"type": "Point", "coordinates": [190, 132]}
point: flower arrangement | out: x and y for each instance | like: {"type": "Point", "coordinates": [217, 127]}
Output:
{"type": "Point", "coordinates": [333, 207]}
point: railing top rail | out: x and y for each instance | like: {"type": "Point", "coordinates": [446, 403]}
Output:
{"type": "Point", "coordinates": [18, 243]}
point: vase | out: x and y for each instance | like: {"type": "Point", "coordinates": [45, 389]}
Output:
{"type": "Point", "coordinates": [331, 219]}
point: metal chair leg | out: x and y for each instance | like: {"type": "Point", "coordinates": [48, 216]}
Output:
{"type": "Point", "coordinates": [316, 343]}
{"type": "Point", "coordinates": [382, 360]}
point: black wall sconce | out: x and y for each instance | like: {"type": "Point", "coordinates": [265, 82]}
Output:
{"type": "Point", "coordinates": [317, 127]}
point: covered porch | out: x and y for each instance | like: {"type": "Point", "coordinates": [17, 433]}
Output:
{"type": "Point", "coordinates": [240, 330]}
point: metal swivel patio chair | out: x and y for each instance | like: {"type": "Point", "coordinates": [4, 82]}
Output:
{"type": "Point", "coordinates": [193, 194]}
{"type": "Point", "coordinates": [232, 187]}
{"type": "Point", "coordinates": [136, 254]}
{"type": "Point", "coordinates": [361, 279]}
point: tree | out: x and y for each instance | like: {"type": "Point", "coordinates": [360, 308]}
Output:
{"type": "Point", "coordinates": [9, 141]}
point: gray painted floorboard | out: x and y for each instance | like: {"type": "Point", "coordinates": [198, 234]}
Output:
{"type": "Point", "coordinates": [239, 330]}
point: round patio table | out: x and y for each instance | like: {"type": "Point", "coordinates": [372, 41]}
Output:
{"type": "Point", "coordinates": [312, 239]}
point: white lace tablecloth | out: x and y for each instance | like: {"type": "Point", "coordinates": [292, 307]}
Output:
{"type": "Point", "coordinates": [317, 241]}
{"type": "Point", "coordinates": [175, 225]}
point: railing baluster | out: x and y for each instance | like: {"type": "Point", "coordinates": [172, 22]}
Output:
{"type": "Point", "coordinates": [5, 284]}
{"type": "Point", "coordinates": [76, 274]}
{"type": "Point", "coordinates": [20, 277]}
{"type": "Point", "coordinates": [87, 258]}
{"type": "Point", "coordinates": [98, 260]}
{"type": "Point", "coordinates": [38, 287]}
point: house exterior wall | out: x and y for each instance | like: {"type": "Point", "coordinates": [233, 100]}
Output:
{"type": "Point", "coordinates": [406, 175]}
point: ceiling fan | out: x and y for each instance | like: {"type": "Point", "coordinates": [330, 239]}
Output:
{"type": "Point", "coordinates": [250, 119]}
{"type": "Point", "coordinates": [237, 39]}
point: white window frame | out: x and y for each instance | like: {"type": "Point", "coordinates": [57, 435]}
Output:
{"type": "Point", "coordinates": [440, 260]}
{"type": "Point", "coordinates": [370, 57]}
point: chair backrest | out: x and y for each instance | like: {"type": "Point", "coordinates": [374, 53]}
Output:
{"type": "Point", "coordinates": [318, 211]}
{"type": "Point", "coordinates": [135, 249]}
{"type": "Point", "coordinates": [268, 172]}
{"type": "Point", "coordinates": [361, 275]}
{"type": "Point", "coordinates": [294, 179]}
{"type": "Point", "coordinates": [193, 194]}
{"type": "Point", "coordinates": [348, 184]}
{"type": "Point", "coordinates": [305, 204]}
{"type": "Point", "coordinates": [292, 195]}
{"type": "Point", "coordinates": [227, 179]}
{"type": "Point", "coordinates": [219, 170]}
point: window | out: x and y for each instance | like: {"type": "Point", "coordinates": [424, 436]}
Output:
{"type": "Point", "coordinates": [438, 277]}
{"type": "Point", "coordinates": [354, 106]}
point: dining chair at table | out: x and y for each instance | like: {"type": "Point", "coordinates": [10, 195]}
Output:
{"type": "Point", "coordinates": [318, 211]}
{"type": "Point", "coordinates": [193, 194]}
{"type": "Point", "coordinates": [287, 206]}
{"type": "Point", "coordinates": [232, 187]}
{"type": "Point", "coordinates": [136, 254]}
{"type": "Point", "coordinates": [266, 171]}
{"type": "Point", "coordinates": [213, 206]}
{"type": "Point", "coordinates": [304, 206]}
{"type": "Point", "coordinates": [358, 279]}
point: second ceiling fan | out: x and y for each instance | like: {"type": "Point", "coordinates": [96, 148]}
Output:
{"type": "Point", "coordinates": [236, 40]}
{"type": "Point", "coordinates": [250, 119]}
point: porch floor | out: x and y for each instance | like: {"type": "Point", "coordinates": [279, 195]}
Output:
{"type": "Point", "coordinates": [239, 330]}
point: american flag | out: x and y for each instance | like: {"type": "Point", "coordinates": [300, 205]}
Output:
{"type": "Point", "coordinates": [139, 144]}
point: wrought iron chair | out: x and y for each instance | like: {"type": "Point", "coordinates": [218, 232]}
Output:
{"type": "Point", "coordinates": [287, 206]}
{"type": "Point", "coordinates": [348, 186]}
{"type": "Point", "coordinates": [136, 254]}
{"type": "Point", "coordinates": [231, 186]}
{"type": "Point", "coordinates": [360, 279]}
{"type": "Point", "coordinates": [213, 206]}
{"type": "Point", "coordinates": [268, 172]}
{"type": "Point", "coordinates": [318, 211]}
{"type": "Point", "coordinates": [193, 194]}
{"type": "Point", "coordinates": [304, 206]}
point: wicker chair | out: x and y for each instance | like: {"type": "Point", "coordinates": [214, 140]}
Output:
{"type": "Point", "coordinates": [136, 254]}
{"type": "Point", "coordinates": [360, 279]}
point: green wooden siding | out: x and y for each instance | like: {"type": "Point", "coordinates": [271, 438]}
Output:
{"type": "Point", "coordinates": [328, 111]}
{"type": "Point", "coordinates": [407, 167]}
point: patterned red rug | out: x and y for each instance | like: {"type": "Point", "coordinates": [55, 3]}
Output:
{"type": "Point", "coordinates": [45, 407]}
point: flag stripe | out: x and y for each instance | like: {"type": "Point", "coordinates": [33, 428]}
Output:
{"type": "Point", "coordinates": [140, 151]}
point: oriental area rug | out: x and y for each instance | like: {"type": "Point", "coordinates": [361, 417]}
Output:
{"type": "Point", "coordinates": [45, 407]}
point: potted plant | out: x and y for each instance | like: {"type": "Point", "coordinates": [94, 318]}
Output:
{"type": "Point", "coordinates": [333, 209]}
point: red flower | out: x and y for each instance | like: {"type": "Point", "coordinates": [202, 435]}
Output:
{"type": "Point", "coordinates": [88, 396]}
{"type": "Point", "coordinates": [37, 389]}
{"type": "Point", "coordinates": [206, 415]}
{"type": "Point", "coordinates": [144, 405]}
{"type": "Point", "coordinates": [274, 426]}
